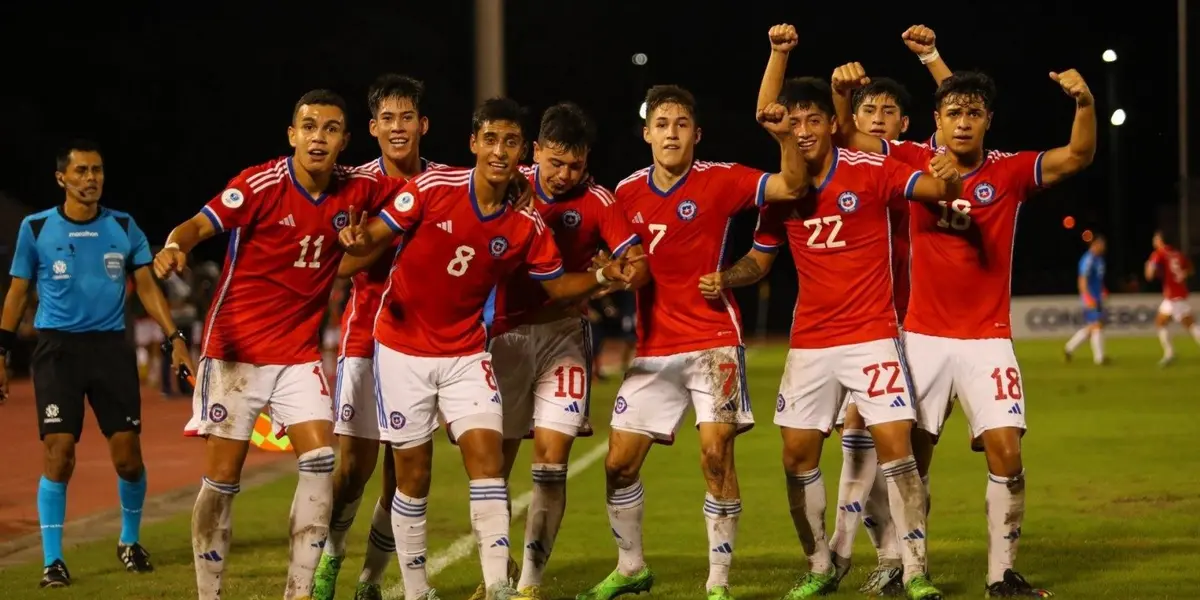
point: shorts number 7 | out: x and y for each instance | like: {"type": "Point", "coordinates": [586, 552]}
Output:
{"type": "Point", "coordinates": [730, 372]}
{"type": "Point", "coordinates": [875, 371]}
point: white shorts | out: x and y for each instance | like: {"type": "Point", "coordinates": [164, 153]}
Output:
{"type": "Point", "coordinates": [1176, 309]}
{"type": "Point", "coordinates": [545, 376]}
{"type": "Point", "coordinates": [983, 373]}
{"type": "Point", "coordinates": [230, 395]}
{"type": "Point", "coordinates": [354, 399]}
{"type": "Point", "coordinates": [817, 382]}
{"type": "Point", "coordinates": [413, 390]}
{"type": "Point", "coordinates": [658, 390]}
{"type": "Point", "coordinates": [147, 333]}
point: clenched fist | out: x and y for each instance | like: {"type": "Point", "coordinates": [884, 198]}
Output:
{"type": "Point", "coordinates": [920, 39]}
{"type": "Point", "coordinates": [169, 261]}
{"type": "Point", "coordinates": [711, 286]}
{"type": "Point", "coordinates": [848, 78]}
{"type": "Point", "coordinates": [1073, 84]}
{"type": "Point", "coordinates": [773, 118]}
{"type": "Point", "coordinates": [783, 37]}
{"type": "Point", "coordinates": [942, 167]}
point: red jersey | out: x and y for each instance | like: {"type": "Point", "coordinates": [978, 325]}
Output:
{"type": "Point", "coordinates": [580, 220]}
{"type": "Point", "coordinates": [282, 260]}
{"type": "Point", "coordinates": [687, 228]}
{"type": "Point", "coordinates": [366, 287]}
{"type": "Point", "coordinates": [1173, 267]}
{"type": "Point", "coordinates": [840, 237]}
{"type": "Point", "coordinates": [962, 250]}
{"type": "Point", "coordinates": [453, 258]}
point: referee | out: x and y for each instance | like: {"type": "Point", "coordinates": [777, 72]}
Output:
{"type": "Point", "coordinates": [80, 254]}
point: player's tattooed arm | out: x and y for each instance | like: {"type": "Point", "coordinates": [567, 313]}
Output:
{"type": "Point", "coordinates": [845, 80]}
{"type": "Point", "coordinates": [173, 257]}
{"type": "Point", "coordinates": [750, 269]}
{"type": "Point", "coordinates": [1065, 161]}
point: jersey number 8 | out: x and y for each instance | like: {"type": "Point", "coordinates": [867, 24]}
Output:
{"type": "Point", "coordinates": [462, 259]}
{"type": "Point", "coordinates": [955, 215]}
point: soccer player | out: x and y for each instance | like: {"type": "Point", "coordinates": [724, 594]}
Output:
{"type": "Point", "coordinates": [80, 254]}
{"type": "Point", "coordinates": [542, 350]}
{"type": "Point", "coordinates": [260, 344]}
{"type": "Point", "coordinates": [461, 238]}
{"type": "Point", "coordinates": [1174, 268]}
{"type": "Point", "coordinates": [690, 349]}
{"type": "Point", "coordinates": [962, 249]}
{"type": "Point", "coordinates": [398, 124]}
{"type": "Point", "coordinates": [1092, 293]}
{"type": "Point", "coordinates": [845, 332]}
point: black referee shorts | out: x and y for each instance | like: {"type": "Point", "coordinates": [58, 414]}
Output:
{"type": "Point", "coordinates": [100, 365]}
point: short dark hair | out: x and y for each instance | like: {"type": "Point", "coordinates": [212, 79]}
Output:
{"type": "Point", "coordinates": [498, 109]}
{"type": "Point", "coordinates": [968, 84]}
{"type": "Point", "coordinates": [884, 86]}
{"type": "Point", "coordinates": [391, 85]}
{"type": "Point", "coordinates": [566, 125]}
{"type": "Point", "coordinates": [62, 158]}
{"type": "Point", "coordinates": [320, 97]}
{"type": "Point", "coordinates": [670, 94]}
{"type": "Point", "coordinates": [807, 93]}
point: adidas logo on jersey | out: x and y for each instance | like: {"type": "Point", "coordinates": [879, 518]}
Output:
{"type": "Point", "coordinates": [288, 221]}
{"type": "Point", "coordinates": [638, 218]}
{"type": "Point", "coordinates": [446, 226]}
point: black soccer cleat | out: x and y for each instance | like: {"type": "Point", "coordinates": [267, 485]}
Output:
{"type": "Point", "coordinates": [1014, 586]}
{"type": "Point", "coordinates": [55, 575]}
{"type": "Point", "coordinates": [135, 558]}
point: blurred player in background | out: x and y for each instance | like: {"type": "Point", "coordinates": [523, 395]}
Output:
{"type": "Point", "coordinates": [80, 255]}
{"type": "Point", "coordinates": [261, 344]}
{"type": "Point", "coordinates": [1092, 293]}
{"type": "Point", "coordinates": [1174, 269]}
{"type": "Point", "coordinates": [963, 249]}
{"type": "Point", "coordinates": [690, 349]}
{"type": "Point", "coordinates": [398, 125]}
{"type": "Point", "coordinates": [542, 350]}
{"type": "Point", "coordinates": [462, 237]}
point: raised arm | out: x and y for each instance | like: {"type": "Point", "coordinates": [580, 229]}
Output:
{"type": "Point", "coordinates": [791, 182]}
{"type": "Point", "coordinates": [844, 81]}
{"type": "Point", "coordinates": [783, 38]}
{"type": "Point", "coordinates": [1065, 161]}
{"type": "Point", "coordinates": [922, 41]}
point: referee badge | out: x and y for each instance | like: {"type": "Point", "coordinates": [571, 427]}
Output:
{"type": "Point", "coordinates": [114, 265]}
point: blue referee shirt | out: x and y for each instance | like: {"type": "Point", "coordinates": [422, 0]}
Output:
{"type": "Point", "coordinates": [80, 267]}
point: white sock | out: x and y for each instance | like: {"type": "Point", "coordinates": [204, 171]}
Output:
{"type": "Point", "coordinates": [1005, 514]}
{"type": "Point", "coordinates": [1164, 338]}
{"type": "Point", "coordinates": [381, 543]}
{"type": "Point", "coordinates": [1097, 346]}
{"type": "Point", "coordinates": [212, 531]}
{"type": "Point", "coordinates": [340, 525]}
{"type": "Point", "coordinates": [311, 507]}
{"type": "Point", "coordinates": [906, 495]}
{"type": "Point", "coordinates": [489, 519]}
{"type": "Point", "coordinates": [542, 520]}
{"type": "Point", "coordinates": [408, 530]}
{"type": "Point", "coordinates": [859, 464]}
{"type": "Point", "coordinates": [1195, 331]}
{"type": "Point", "coordinates": [1077, 339]}
{"type": "Point", "coordinates": [877, 518]}
{"type": "Point", "coordinates": [626, 508]}
{"type": "Point", "coordinates": [721, 519]}
{"type": "Point", "coordinates": [806, 502]}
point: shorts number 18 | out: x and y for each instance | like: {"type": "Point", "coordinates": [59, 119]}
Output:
{"type": "Point", "coordinates": [1008, 383]}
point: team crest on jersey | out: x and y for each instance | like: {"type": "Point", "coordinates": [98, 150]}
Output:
{"type": "Point", "coordinates": [686, 210]}
{"type": "Point", "coordinates": [404, 202]}
{"type": "Point", "coordinates": [217, 413]}
{"type": "Point", "coordinates": [621, 405]}
{"type": "Point", "coordinates": [847, 202]}
{"type": "Point", "coordinates": [341, 220]}
{"type": "Point", "coordinates": [498, 246]}
{"type": "Point", "coordinates": [984, 193]}
{"type": "Point", "coordinates": [397, 420]}
{"type": "Point", "coordinates": [347, 413]}
{"type": "Point", "coordinates": [572, 218]}
{"type": "Point", "coordinates": [232, 198]}
{"type": "Point", "coordinates": [114, 265]}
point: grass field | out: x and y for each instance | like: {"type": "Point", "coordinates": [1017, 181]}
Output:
{"type": "Point", "coordinates": [1113, 502]}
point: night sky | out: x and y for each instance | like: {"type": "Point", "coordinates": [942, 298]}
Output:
{"type": "Point", "coordinates": [182, 96]}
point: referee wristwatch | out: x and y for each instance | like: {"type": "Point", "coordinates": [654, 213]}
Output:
{"type": "Point", "coordinates": [175, 335]}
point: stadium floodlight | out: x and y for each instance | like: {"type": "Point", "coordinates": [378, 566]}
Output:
{"type": "Point", "coordinates": [642, 111]}
{"type": "Point", "coordinates": [1109, 56]}
{"type": "Point", "coordinates": [1118, 117]}
{"type": "Point", "coordinates": [640, 59]}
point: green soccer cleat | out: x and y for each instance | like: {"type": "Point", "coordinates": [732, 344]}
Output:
{"type": "Point", "coordinates": [372, 591]}
{"type": "Point", "coordinates": [720, 592]}
{"type": "Point", "coordinates": [325, 579]}
{"type": "Point", "coordinates": [920, 588]}
{"type": "Point", "coordinates": [616, 585]}
{"type": "Point", "coordinates": [885, 580]}
{"type": "Point", "coordinates": [814, 584]}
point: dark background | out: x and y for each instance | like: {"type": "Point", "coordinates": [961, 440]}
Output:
{"type": "Point", "coordinates": [183, 96]}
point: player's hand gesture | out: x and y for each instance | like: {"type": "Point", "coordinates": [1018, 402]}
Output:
{"type": "Point", "coordinates": [711, 286]}
{"type": "Point", "coordinates": [1073, 84]}
{"type": "Point", "coordinates": [920, 39]}
{"type": "Point", "coordinates": [520, 193]}
{"type": "Point", "coordinates": [181, 356]}
{"type": "Point", "coordinates": [168, 261]}
{"type": "Point", "coordinates": [353, 237]}
{"type": "Point", "coordinates": [848, 78]}
{"type": "Point", "coordinates": [774, 118]}
{"type": "Point", "coordinates": [942, 167]}
{"type": "Point", "coordinates": [783, 37]}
